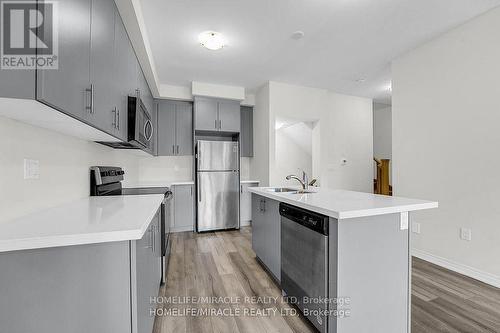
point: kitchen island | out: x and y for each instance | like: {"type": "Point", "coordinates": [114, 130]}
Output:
{"type": "Point", "coordinates": [90, 265]}
{"type": "Point", "coordinates": [367, 251]}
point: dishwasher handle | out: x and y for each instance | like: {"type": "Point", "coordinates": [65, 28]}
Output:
{"type": "Point", "coordinates": [311, 220]}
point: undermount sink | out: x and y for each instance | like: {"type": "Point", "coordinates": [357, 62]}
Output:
{"type": "Point", "coordinates": [281, 189]}
{"type": "Point", "coordinates": [288, 190]}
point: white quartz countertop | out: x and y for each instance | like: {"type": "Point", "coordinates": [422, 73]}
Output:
{"type": "Point", "coordinates": [85, 221]}
{"type": "Point", "coordinates": [170, 183]}
{"type": "Point", "coordinates": [157, 183]}
{"type": "Point", "coordinates": [342, 204]}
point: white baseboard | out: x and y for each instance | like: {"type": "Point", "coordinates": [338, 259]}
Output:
{"type": "Point", "coordinates": [245, 223]}
{"type": "Point", "coordinates": [181, 229]}
{"type": "Point", "coordinates": [457, 267]}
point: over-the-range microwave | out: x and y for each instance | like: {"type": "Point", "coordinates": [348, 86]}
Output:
{"type": "Point", "coordinates": [140, 128]}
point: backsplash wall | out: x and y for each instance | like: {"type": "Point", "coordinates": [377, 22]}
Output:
{"type": "Point", "coordinates": [165, 168]}
{"type": "Point", "coordinates": [64, 167]}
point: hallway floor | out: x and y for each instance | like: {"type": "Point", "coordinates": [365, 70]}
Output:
{"type": "Point", "coordinates": [222, 264]}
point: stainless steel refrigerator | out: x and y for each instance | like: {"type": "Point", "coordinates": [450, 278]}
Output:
{"type": "Point", "coordinates": [218, 184]}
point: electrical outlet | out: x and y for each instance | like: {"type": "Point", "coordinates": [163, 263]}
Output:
{"type": "Point", "coordinates": [466, 234]}
{"type": "Point", "coordinates": [415, 227]}
{"type": "Point", "coordinates": [31, 169]}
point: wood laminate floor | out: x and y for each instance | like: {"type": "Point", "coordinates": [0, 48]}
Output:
{"type": "Point", "coordinates": [222, 264]}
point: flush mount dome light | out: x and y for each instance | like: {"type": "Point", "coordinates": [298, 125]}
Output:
{"type": "Point", "coordinates": [212, 40]}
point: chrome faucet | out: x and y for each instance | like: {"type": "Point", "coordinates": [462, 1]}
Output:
{"type": "Point", "coordinates": [304, 181]}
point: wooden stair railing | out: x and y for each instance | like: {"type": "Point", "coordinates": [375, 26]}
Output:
{"type": "Point", "coordinates": [381, 184]}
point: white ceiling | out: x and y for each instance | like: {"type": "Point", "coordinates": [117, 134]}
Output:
{"type": "Point", "coordinates": [345, 40]}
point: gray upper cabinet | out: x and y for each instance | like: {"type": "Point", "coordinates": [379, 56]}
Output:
{"type": "Point", "coordinates": [184, 128]}
{"type": "Point", "coordinates": [97, 70]}
{"type": "Point", "coordinates": [217, 115]}
{"type": "Point", "coordinates": [246, 133]}
{"type": "Point", "coordinates": [175, 128]}
{"type": "Point", "coordinates": [102, 76]}
{"type": "Point", "coordinates": [229, 116]}
{"type": "Point", "coordinates": [166, 128]}
{"type": "Point", "coordinates": [206, 114]}
{"type": "Point", "coordinates": [68, 88]}
{"type": "Point", "coordinates": [124, 78]}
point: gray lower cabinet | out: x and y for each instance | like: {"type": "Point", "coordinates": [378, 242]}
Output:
{"type": "Point", "coordinates": [175, 128]}
{"type": "Point", "coordinates": [68, 88]}
{"type": "Point", "coordinates": [266, 235]}
{"type": "Point", "coordinates": [246, 203]}
{"type": "Point", "coordinates": [246, 133]}
{"type": "Point", "coordinates": [145, 277]}
{"type": "Point", "coordinates": [97, 288]}
{"type": "Point", "coordinates": [217, 115]}
{"type": "Point", "coordinates": [183, 208]}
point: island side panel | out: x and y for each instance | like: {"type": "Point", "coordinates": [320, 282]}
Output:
{"type": "Point", "coordinates": [80, 289]}
{"type": "Point", "coordinates": [373, 271]}
{"type": "Point", "coordinates": [332, 271]}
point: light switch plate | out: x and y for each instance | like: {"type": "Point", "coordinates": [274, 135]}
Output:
{"type": "Point", "coordinates": [466, 234]}
{"type": "Point", "coordinates": [31, 169]}
{"type": "Point", "coordinates": [403, 222]}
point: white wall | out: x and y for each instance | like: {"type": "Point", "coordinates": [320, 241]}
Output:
{"type": "Point", "coordinates": [64, 167]}
{"type": "Point", "coordinates": [245, 168]}
{"type": "Point", "coordinates": [165, 168]}
{"type": "Point", "coordinates": [293, 151]}
{"type": "Point", "coordinates": [446, 139]}
{"type": "Point", "coordinates": [344, 129]}
{"type": "Point", "coordinates": [259, 165]}
{"type": "Point", "coordinates": [382, 133]}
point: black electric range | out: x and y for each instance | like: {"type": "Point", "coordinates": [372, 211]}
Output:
{"type": "Point", "coordinates": [106, 180]}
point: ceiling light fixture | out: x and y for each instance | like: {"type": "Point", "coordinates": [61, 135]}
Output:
{"type": "Point", "coordinates": [212, 40]}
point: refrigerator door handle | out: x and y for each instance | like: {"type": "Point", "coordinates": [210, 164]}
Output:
{"type": "Point", "coordinates": [198, 185]}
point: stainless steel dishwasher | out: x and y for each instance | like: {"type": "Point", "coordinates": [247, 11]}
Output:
{"type": "Point", "coordinates": [304, 262]}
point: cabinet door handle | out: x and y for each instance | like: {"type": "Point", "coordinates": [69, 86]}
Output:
{"type": "Point", "coordinates": [90, 107]}
{"type": "Point", "coordinates": [198, 188]}
{"type": "Point", "coordinates": [118, 121]}
{"type": "Point", "coordinates": [241, 188]}
{"type": "Point", "coordinates": [114, 117]}
{"type": "Point", "coordinates": [153, 243]}
{"type": "Point", "coordinates": [173, 149]}
{"type": "Point", "coordinates": [215, 124]}
{"type": "Point", "coordinates": [150, 242]}
{"type": "Point", "coordinates": [177, 149]}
